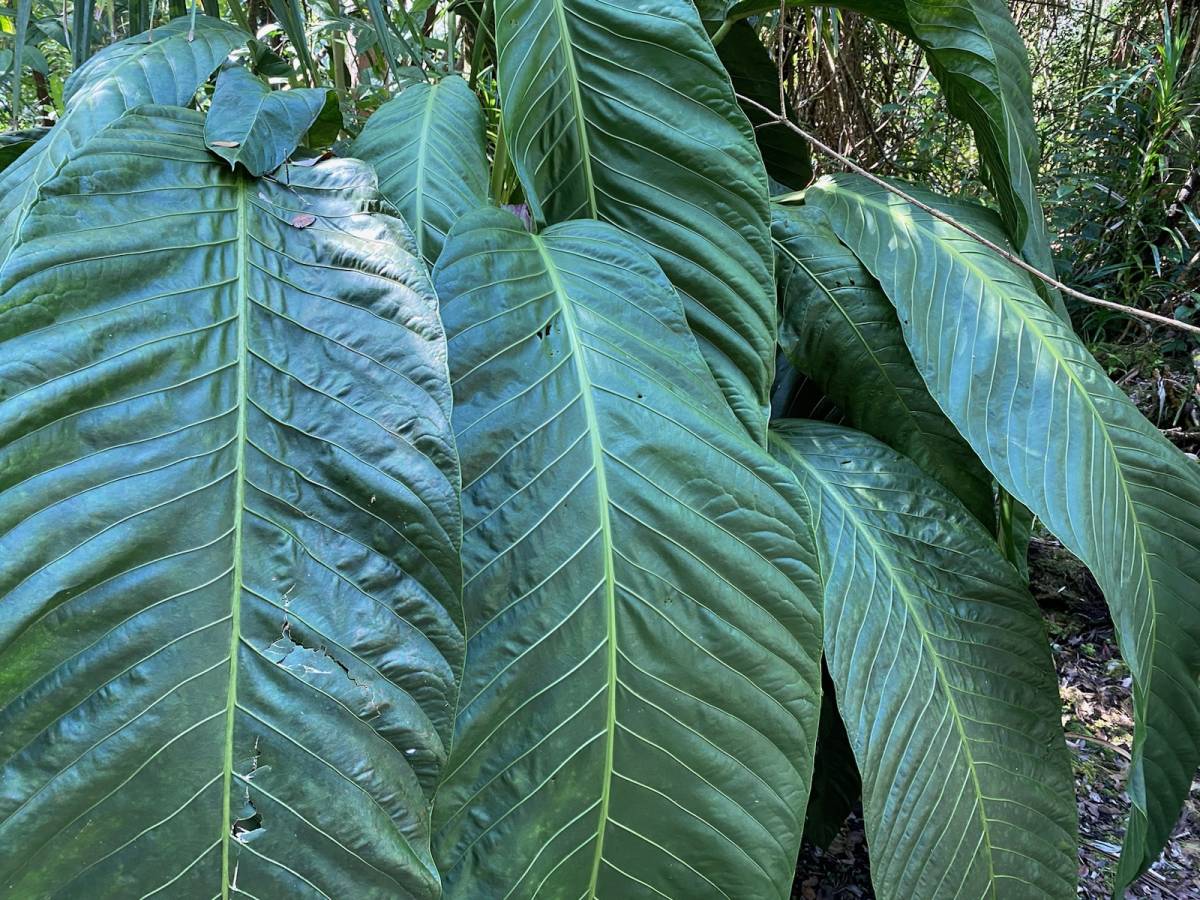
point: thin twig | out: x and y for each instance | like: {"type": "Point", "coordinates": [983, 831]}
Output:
{"type": "Point", "coordinates": [975, 236]}
{"type": "Point", "coordinates": [1120, 751]}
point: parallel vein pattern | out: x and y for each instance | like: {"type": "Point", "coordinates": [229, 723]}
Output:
{"type": "Point", "coordinates": [165, 66]}
{"type": "Point", "coordinates": [427, 146]}
{"type": "Point", "coordinates": [840, 329]}
{"type": "Point", "coordinates": [620, 110]}
{"type": "Point", "coordinates": [230, 625]}
{"type": "Point", "coordinates": [639, 707]}
{"type": "Point", "coordinates": [250, 124]}
{"type": "Point", "coordinates": [1068, 443]}
{"type": "Point", "coordinates": [944, 680]}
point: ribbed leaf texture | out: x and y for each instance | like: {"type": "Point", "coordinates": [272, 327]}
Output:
{"type": "Point", "coordinates": [620, 110]}
{"type": "Point", "coordinates": [839, 328]}
{"type": "Point", "coordinates": [229, 579]}
{"type": "Point", "coordinates": [253, 126]}
{"type": "Point", "coordinates": [165, 66]}
{"type": "Point", "coordinates": [1068, 443]}
{"type": "Point", "coordinates": [786, 155]}
{"type": "Point", "coordinates": [640, 704]}
{"type": "Point", "coordinates": [427, 145]}
{"type": "Point", "coordinates": [944, 680]}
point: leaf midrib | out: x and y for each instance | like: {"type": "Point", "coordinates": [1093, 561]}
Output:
{"type": "Point", "coordinates": [243, 310]}
{"type": "Point", "coordinates": [1033, 327]}
{"type": "Point", "coordinates": [585, 152]}
{"type": "Point", "coordinates": [866, 345]}
{"type": "Point", "coordinates": [571, 330]}
{"type": "Point", "coordinates": [418, 224]}
{"type": "Point", "coordinates": [863, 529]}
{"type": "Point", "coordinates": [1151, 595]}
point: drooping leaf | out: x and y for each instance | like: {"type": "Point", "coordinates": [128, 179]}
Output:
{"type": "Point", "coordinates": [229, 614]}
{"type": "Point", "coordinates": [622, 112]}
{"type": "Point", "coordinates": [252, 125]}
{"type": "Point", "coordinates": [1065, 441]}
{"type": "Point", "coordinates": [839, 328]}
{"type": "Point", "coordinates": [428, 147]}
{"type": "Point", "coordinates": [165, 67]}
{"type": "Point", "coordinates": [15, 143]}
{"type": "Point", "coordinates": [640, 704]}
{"type": "Point", "coordinates": [943, 677]}
{"type": "Point", "coordinates": [785, 154]}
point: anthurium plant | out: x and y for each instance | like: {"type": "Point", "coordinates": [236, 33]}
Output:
{"type": "Point", "coordinates": [360, 537]}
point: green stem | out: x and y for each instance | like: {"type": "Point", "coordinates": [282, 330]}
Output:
{"type": "Point", "coordinates": [239, 15]}
{"type": "Point", "coordinates": [337, 53]}
{"type": "Point", "coordinates": [500, 166]}
{"type": "Point", "coordinates": [719, 34]}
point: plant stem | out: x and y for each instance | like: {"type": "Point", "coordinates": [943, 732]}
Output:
{"type": "Point", "coordinates": [499, 165]}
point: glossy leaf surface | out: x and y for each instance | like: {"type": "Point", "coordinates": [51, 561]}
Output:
{"type": "Point", "coordinates": [166, 66]}
{"type": "Point", "coordinates": [427, 146]}
{"type": "Point", "coordinates": [839, 328]}
{"type": "Point", "coordinates": [1065, 441]}
{"type": "Point", "coordinates": [944, 680]}
{"type": "Point", "coordinates": [785, 154]}
{"type": "Point", "coordinates": [253, 126]}
{"type": "Point", "coordinates": [229, 608]}
{"type": "Point", "coordinates": [640, 702]}
{"type": "Point", "coordinates": [621, 111]}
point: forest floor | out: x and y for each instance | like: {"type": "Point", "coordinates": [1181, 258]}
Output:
{"type": "Point", "coordinates": [1094, 685]}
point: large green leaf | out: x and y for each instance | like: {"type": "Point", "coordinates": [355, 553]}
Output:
{"type": "Point", "coordinates": [839, 329]}
{"type": "Point", "coordinates": [427, 145]}
{"type": "Point", "coordinates": [251, 125]}
{"type": "Point", "coordinates": [165, 66]}
{"type": "Point", "coordinates": [622, 111]}
{"type": "Point", "coordinates": [640, 702]}
{"type": "Point", "coordinates": [1068, 443]}
{"type": "Point", "coordinates": [944, 680]}
{"type": "Point", "coordinates": [230, 624]}
{"type": "Point", "coordinates": [785, 154]}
